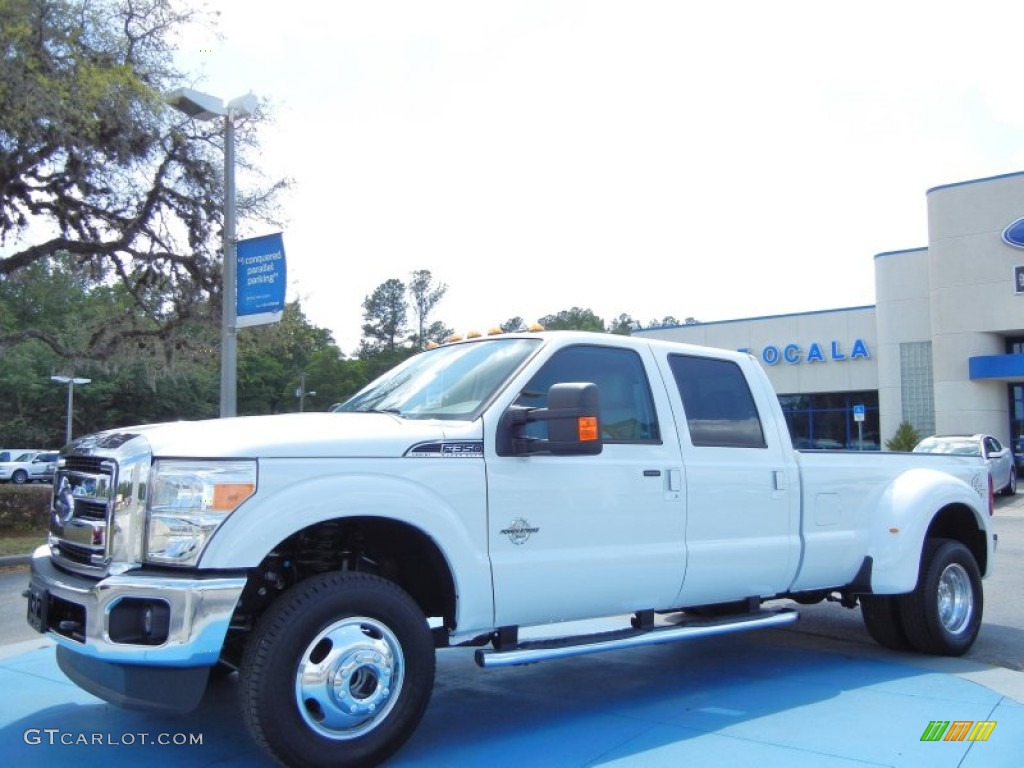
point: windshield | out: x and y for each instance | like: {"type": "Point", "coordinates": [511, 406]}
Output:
{"type": "Point", "coordinates": [451, 382]}
{"type": "Point", "coordinates": [957, 447]}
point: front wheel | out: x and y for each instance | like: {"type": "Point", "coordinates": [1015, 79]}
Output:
{"type": "Point", "coordinates": [338, 672]}
{"type": "Point", "coordinates": [943, 614]}
{"type": "Point", "coordinates": [20, 477]}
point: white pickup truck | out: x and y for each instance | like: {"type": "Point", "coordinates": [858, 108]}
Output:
{"type": "Point", "coordinates": [477, 492]}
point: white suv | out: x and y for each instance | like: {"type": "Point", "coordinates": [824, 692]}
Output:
{"type": "Point", "coordinates": [19, 469]}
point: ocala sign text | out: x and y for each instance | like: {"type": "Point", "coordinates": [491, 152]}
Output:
{"type": "Point", "coordinates": [774, 354]}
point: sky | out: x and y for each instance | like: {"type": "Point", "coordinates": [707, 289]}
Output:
{"type": "Point", "coordinates": [715, 160]}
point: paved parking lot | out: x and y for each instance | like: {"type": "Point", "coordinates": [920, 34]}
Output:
{"type": "Point", "coordinates": [801, 696]}
{"type": "Point", "coordinates": [774, 698]}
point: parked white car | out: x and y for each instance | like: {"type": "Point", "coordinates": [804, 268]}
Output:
{"type": "Point", "coordinates": [18, 470]}
{"type": "Point", "coordinates": [1001, 464]}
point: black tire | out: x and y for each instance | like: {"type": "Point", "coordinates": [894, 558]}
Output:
{"type": "Point", "coordinates": [1011, 487]}
{"type": "Point", "coordinates": [942, 616]}
{"type": "Point", "coordinates": [881, 614]}
{"type": "Point", "coordinates": [357, 637]}
{"type": "Point", "coordinates": [221, 671]}
{"type": "Point", "coordinates": [20, 477]}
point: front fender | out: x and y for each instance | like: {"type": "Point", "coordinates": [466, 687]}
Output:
{"type": "Point", "coordinates": [905, 513]}
{"type": "Point", "coordinates": [445, 499]}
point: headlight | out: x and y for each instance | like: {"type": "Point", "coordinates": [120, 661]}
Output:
{"type": "Point", "coordinates": [188, 501]}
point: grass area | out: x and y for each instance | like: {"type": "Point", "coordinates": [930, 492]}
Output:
{"type": "Point", "coordinates": [20, 543]}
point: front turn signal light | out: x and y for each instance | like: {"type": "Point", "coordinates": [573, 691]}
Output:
{"type": "Point", "coordinates": [587, 427]}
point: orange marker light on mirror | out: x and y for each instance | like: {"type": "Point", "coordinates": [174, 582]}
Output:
{"type": "Point", "coordinates": [587, 427]}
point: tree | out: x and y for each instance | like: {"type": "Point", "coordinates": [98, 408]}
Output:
{"type": "Point", "coordinates": [273, 358]}
{"type": "Point", "coordinates": [905, 439]}
{"type": "Point", "coordinates": [667, 320]}
{"type": "Point", "coordinates": [438, 333]}
{"type": "Point", "coordinates": [94, 164]}
{"type": "Point", "coordinates": [574, 319]}
{"type": "Point", "coordinates": [623, 325]}
{"type": "Point", "coordinates": [425, 296]}
{"type": "Point", "coordinates": [513, 324]}
{"type": "Point", "coordinates": [385, 314]}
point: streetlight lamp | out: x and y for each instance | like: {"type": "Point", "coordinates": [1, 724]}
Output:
{"type": "Point", "coordinates": [70, 381]}
{"type": "Point", "coordinates": [202, 106]}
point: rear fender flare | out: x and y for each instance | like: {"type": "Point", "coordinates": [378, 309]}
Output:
{"type": "Point", "coordinates": [905, 513]}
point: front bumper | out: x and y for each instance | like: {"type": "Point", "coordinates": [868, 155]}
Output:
{"type": "Point", "coordinates": [97, 619]}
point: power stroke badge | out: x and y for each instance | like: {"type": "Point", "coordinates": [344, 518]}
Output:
{"type": "Point", "coordinates": [519, 531]}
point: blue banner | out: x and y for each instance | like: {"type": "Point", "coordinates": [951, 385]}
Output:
{"type": "Point", "coordinates": [261, 279]}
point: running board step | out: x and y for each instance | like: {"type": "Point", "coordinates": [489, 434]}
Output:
{"type": "Point", "coordinates": [529, 652]}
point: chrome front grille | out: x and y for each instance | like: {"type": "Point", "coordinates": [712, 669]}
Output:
{"type": "Point", "coordinates": [97, 524]}
{"type": "Point", "coordinates": [87, 464]}
{"type": "Point", "coordinates": [72, 553]}
{"type": "Point", "coordinates": [80, 523]}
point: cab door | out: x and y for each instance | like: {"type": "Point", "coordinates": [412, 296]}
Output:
{"type": "Point", "coordinates": [584, 536]}
{"type": "Point", "coordinates": [742, 482]}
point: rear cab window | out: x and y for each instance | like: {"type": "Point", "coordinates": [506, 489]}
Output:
{"type": "Point", "coordinates": [720, 409]}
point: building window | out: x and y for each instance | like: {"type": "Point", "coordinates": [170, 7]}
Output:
{"type": "Point", "coordinates": [1015, 346]}
{"type": "Point", "coordinates": [917, 386]}
{"type": "Point", "coordinates": [826, 420]}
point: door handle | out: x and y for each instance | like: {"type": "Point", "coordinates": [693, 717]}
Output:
{"type": "Point", "coordinates": [779, 479]}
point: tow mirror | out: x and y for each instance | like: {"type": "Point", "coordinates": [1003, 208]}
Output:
{"type": "Point", "coordinates": [573, 419]}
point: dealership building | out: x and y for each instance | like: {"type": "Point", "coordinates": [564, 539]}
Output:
{"type": "Point", "coordinates": [942, 347]}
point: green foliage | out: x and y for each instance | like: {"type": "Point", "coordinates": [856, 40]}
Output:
{"type": "Point", "coordinates": [273, 358]}
{"type": "Point", "coordinates": [95, 165]}
{"type": "Point", "coordinates": [24, 508]}
{"type": "Point", "coordinates": [385, 313]}
{"type": "Point", "coordinates": [574, 319]}
{"type": "Point", "coordinates": [905, 438]}
{"type": "Point", "coordinates": [54, 317]}
{"type": "Point", "coordinates": [425, 297]}
{"type": "Point", "coordinates": [623, 325]}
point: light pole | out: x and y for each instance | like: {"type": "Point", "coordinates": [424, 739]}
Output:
{"type": "Point", "coordinates": [202, 106]}
{"type": "Point", "coordinates": [301, 393]}
{"type": "Point", "coordinates": [70, 381]}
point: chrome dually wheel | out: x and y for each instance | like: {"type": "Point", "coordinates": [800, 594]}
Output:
{"type": "Point", "coordinates": [349, 678]}
{"type": "Point", "coordinates": [956, 598]}
{"type": "Point", "coordinates": [943, 614]}
{"type": "Point", "coordinates": [338, 672]}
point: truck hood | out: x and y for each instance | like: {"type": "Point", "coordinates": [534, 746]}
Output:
{"type": "Point", "coordinates": [297, 435]}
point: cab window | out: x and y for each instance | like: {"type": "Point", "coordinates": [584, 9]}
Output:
{"type": "Point", "coordinates": [720, 410]}
{"type": "Point", "coordinates": [627, 408]}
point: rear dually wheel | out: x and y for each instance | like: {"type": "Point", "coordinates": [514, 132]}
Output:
{"type": "Point", "coordinates": [943, 614]}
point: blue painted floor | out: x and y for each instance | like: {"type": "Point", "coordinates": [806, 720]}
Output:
{"type": "Point", "coordinates": [762, 698]}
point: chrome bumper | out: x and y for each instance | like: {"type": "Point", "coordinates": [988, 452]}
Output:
{"type": "Point", "coordinates": [198, 613]}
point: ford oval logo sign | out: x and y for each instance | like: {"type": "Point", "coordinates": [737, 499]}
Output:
{"type": "Point", "coordinates": [1014, 234]}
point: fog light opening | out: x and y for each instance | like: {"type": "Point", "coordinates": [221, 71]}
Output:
{"type": "Point", "coordinates": [139, 621]}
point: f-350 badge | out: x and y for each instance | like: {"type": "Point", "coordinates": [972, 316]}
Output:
{"type": "Point", "coordinates": [519, 531]}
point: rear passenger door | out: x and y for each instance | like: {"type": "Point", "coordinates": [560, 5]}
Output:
{"type": "Point", "coordinates": [742, 484]}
